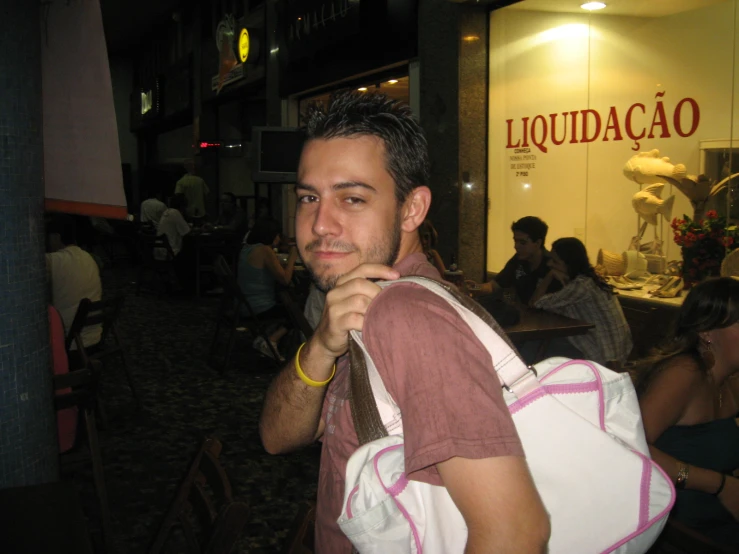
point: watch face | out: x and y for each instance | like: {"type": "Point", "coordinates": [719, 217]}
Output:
{"type": "Point", "coordinates": [243, 45]}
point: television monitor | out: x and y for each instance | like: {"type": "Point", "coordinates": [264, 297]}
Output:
{"type": "Point", "coordinates": [276, 154]}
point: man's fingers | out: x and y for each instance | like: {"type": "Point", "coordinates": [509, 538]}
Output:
{"type": "Point", "coordinates": [358, 286]}
{"type": "Point", "coordinates": [369, 271]}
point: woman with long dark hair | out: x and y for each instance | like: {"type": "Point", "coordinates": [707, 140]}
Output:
{"type": "Point", "coordinates": [587, 297]}
{"type": "Point", "coordinates": [689, 397]}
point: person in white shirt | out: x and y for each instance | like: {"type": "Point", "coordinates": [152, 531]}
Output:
{"type": "Point", "coordinates": [173, 224]}
{"type": "Point", "coordinates": [73, 275]}
{"type": "Point", "coordinates": [152, 208]}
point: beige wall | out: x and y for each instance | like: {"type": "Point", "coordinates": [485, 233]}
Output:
{"type": "Point", "coordinates": [544, 63]}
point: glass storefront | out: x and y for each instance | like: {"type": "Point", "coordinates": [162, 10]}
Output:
{"type": "Point", "coordinates": [396, 87]}
{"type": "Point", "coordinates": [590, 111]}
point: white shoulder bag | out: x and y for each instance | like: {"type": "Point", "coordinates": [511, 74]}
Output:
{"type": "Point", "coordinates": [581, 431]}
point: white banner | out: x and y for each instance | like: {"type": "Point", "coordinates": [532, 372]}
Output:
{"type": "Point", "coordinates": [82, 161]}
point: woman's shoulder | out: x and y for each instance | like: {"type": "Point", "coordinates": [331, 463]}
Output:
{"type": "Point", "coordinates": [681, 368]}
{"type": "Point", "coordinates": [256, 251]}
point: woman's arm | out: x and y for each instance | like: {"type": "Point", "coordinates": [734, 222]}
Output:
{"type": "Point", "coordinates": [541, 288]}
{"type": "Point", "coordinates": [663, 405]}
{"type": "Point", "coordinates": [272, 263]}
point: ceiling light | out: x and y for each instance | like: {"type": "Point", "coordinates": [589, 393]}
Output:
{"type": "Point", "coordinates": [527, 185]}
{"type": "Point", "coordinates": [362, 89]}
{"type": "Point", "coordinates": [392, 81]}
{"type": "Point", "coordinates": [470, 38]}
{"type": "Point", "coordinates": [592, 6]}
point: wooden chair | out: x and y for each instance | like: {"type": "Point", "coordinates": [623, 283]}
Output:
{"type": "Point", "coordinates": [78, 389]}
{"type": "Point", "coordinates": [230, 315]}
{"type": "Point", "coordinates": [678, 538]}
{"type": "Point", "coordinates": [302, 536]}
{"type": "Point", "coordinates": [297, 317]}
{"type": "Point", "coordinates": [209, 519]}
{"type": "Point", "coordinates": [157, 258]}
{"type": "Point", "coordinates": [105, 313]}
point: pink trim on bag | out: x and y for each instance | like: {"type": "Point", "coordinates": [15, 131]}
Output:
{"type": "Point", "coordinates": [394, 491]}
{"type": "Point", "coordinates": [598, 380]}
{"type": "Point", "coordinates": [646, 525]}
{"type": "Point", "coordinates": [521, 403]}
{"type": "Point", "coordinates": [576, 388]}
{"type": "Point", "coordinates": [646, 482]}
{"type": "Point", "coordinates": [354, 491]}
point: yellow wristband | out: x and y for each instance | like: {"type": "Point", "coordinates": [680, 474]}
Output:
{"type": "Point", "coordinates": [307, 380]}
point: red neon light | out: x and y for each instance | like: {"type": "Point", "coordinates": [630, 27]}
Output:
{"type": "Point", "coordinates": [210, 144]}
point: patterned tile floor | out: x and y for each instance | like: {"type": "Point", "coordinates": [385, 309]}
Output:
{"type": "Point", "coordinates": [146, 452]}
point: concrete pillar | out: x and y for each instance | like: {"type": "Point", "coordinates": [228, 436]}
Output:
{"type": "Point", "coordinates": [28, 438]}
{"type": "Point", "coordinates": [473, 143]}
{"type": "Point", "coordinates": [438, 53]}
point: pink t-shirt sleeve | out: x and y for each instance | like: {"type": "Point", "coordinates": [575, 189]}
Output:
{"type": "Point", "coordinates": [441, 377]}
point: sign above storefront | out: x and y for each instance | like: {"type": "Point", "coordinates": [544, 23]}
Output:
{"type": "Point", "coordinates": [236, 74]}
{"type": "Point", "coordinates": [583, 126]}
{"type": "Point", "coordinates": [243, 45]}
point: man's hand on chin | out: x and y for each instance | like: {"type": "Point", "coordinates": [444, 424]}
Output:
{"type": "Point", "coordinates": [346, 305]}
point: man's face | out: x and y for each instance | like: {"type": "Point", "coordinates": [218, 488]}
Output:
{"type": "Point", "coordinates": [526, 249]}
{"type": "Point", "coordinates": [347, 212]}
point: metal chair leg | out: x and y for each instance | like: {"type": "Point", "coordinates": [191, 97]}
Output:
{"type": "Point", "coordinates": [99, 479]}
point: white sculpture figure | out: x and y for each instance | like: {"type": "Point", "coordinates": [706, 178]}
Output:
{"type": "Point", "coordinates": [648, 203]}
{"type": "Point", "coordinates": [647, 168]}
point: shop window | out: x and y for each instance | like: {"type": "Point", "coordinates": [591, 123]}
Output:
{"type": "Point", "coordinates": [574, 95]}
{"type": "Point", "coordinates": [394, 87]}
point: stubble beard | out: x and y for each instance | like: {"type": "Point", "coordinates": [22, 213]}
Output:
{"type": "Point", "coordinates": [384, 253]}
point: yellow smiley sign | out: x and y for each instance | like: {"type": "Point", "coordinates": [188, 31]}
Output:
{"type": "Point", "coordinates": [243, 45]}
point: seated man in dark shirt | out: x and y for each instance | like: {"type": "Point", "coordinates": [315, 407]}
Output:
{"type": "Point", "coordinates": [528, 265]}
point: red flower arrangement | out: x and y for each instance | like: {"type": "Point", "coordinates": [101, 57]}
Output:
{"type": "Point", "coordinates": [704, 243]}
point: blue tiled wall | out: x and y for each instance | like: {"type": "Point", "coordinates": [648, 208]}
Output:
{"type": "Point", "coordinates": [28, 441]}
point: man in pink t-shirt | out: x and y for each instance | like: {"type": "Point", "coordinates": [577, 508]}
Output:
{"type": "Point", "coordinates": [362, 195]}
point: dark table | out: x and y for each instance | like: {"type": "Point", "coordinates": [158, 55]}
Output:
{"type": "Point", "coordinates": [43, 519]}
{"type": "Point", "coordinates": [538, 325]}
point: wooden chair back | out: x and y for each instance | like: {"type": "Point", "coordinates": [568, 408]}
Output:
{"type": "Point", "coordinates": [103, 312]}
{"type": "Point", "coordinates": [78, 389]}
{"type": "Point", "coordinates": [106, 313]}
{"type": "Point", "coordinates": [296, 314]}
{"type": "Point", "coordinates": [204, 510]}
{"type": "Point", "coordinates": [302, 536]}
{"type": "Point", "coordinates": [154, 247]}
{"type": "Point", "coordinates": [678, 538]}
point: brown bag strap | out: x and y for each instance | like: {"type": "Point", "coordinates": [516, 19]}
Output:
{"type": "Point", "coordinates": [366, 417]}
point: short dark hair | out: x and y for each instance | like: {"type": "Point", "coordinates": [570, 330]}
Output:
{"type": "Point", "coordinates": [352, 113]}
{"type": "Point", "coordinates": [64, 226]}
{"type": "Point", "coordinates": [178, 202]}
{"type": "Point", "coordinates": [534, 227]}
{"type": "Point", "coordinates": [263, 232]}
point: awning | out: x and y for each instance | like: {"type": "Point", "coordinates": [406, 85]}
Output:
{"type": "Point", "coordinates": [82, 161]}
